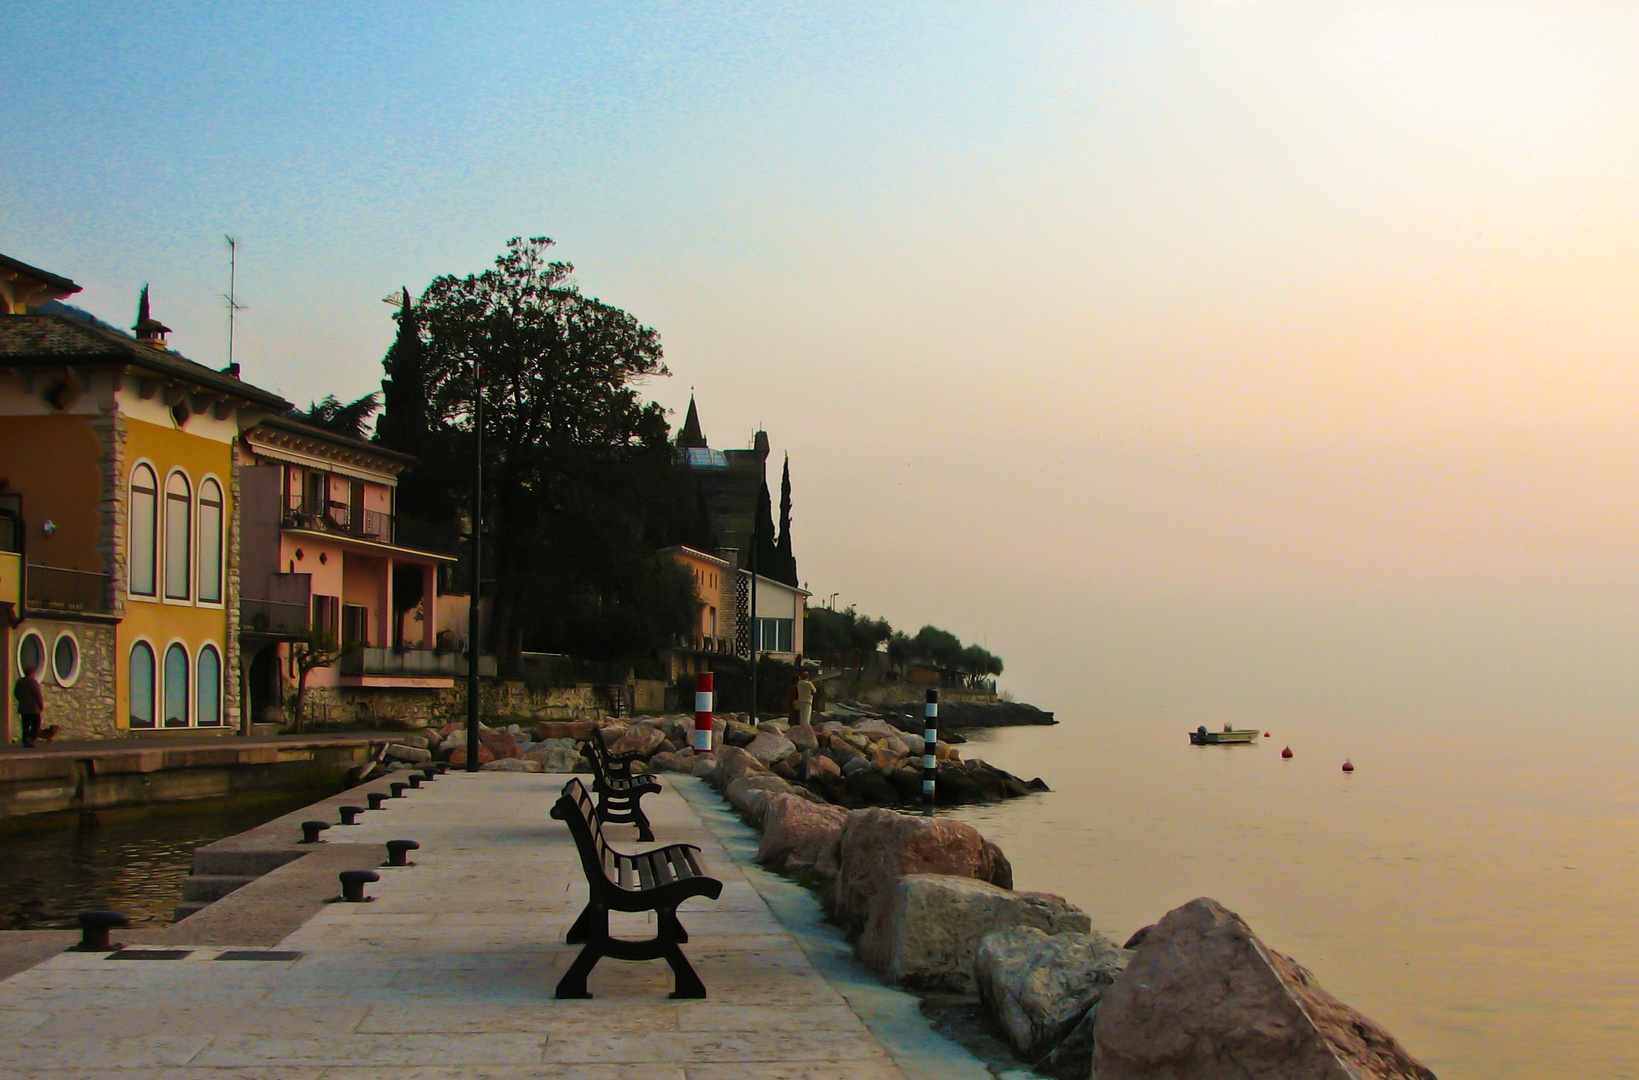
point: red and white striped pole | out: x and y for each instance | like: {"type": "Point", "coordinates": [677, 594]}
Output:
{"type": "Point", "coordinates": [702, 712]}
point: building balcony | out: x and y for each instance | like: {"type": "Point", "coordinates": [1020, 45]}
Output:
{"type": "Point", "coordinates": [408, 667]}
{"type": "Point", "coordinates": [374, 526]}
{"type": "Point", "coordinates": [278, 608]}
{"type": "Point", "coordinates": [704, 643]}
{"type": "Point", "coordinates": [53, 588]}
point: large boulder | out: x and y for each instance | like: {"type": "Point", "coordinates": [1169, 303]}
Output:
{"type": "Point", "coordinates": [503, 744]}
{"type": "Point", "coordinates": [404, 752]}
{"type": "Point", "coordinates": [800, 835]}
{"type": "Point", "coordinates": [749, 795]}
{"type": "Point", "coordinates": [1204, 999]}
{"type": "Point", "coordinates": [558, 759]}
{"type": "Point", "coordinates": [642, 738]}
{"type": "Point", "coordinates": [458, 759]}
{"type": "Point", "coordinates": [578, 730]}
{"type": "Point", "coordinates": [1040, 986]}
{"type": "Point", "coordinates": [802, 736]}
{"type": "Point", "coordinates": [738, 734]}
{"type": "Point", "coordinates": [666, 761]}
{"type": "Point", "coordinates": [770, 747]}
{"type": "Point", "coordinates": [880, 846]}
{"type": "Point", "coordinates": [926, 934]}
{"type": "Point", "coordinates": [732, 764]}
{"type": "Point", "coordinates": [874, 729]}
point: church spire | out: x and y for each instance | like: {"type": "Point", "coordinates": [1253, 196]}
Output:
{"type": "Point", "coordinates": [691, 438]}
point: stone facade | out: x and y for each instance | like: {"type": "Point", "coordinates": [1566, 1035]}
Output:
{"type": "Point", "coordinates": [512, 699]}
{"type": "Point", "coordinates": [85, 710]}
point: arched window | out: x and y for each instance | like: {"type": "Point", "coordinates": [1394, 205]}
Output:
{"type": "Point", "coordinates": [142, 686]}
{"type": "Point", "coordinates": [31, 654]}
{"type": "Point", "coordinates": [176, 686]}
{"type": "Point", "coordinates": [209, 677]}
{"type": "Point", "coordinates": [210, 542]}
{"type": "Point", "coordinates": [178, 541]}
{"type": "Point", "coordinates": [144, 530]}
{"type": "Point", "coordinates": [65, 659]}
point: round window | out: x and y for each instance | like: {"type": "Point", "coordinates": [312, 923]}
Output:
{"type": "Point", "coordinates": [31, 654]}
{"type": "Point", "coordinates": [65, 659]}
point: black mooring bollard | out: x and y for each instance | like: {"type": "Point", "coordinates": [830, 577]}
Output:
{"type": "Point", "coordinates": [397, 789]}
{"type": "Point", "coordinates": [398, 852]}
{"type": "Point", "coordinates": [94, 928]}
{"type": "Point", "coordinates": [350, 814]}
{"type": "Point", "coordinates": [429, 773]}
{"type": "Point", "coordinates": [353, 883]}
{"type": "Point", "coordinates": [930, 739]}
{"type": "Point", "coordinates": [442, 767]}
{"type": "Point", "coordinates": [312, 829]}
{"type": "Point", "coordinates": [376, 798]}
{"type": "Point", "coordinates": [415, 780]}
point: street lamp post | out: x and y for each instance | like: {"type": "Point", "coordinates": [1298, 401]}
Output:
{"type": "Point", "coordinates": [474, 635]}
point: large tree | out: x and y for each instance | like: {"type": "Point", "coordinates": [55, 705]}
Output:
{"type": "Point", "coordinates": [572, 456]}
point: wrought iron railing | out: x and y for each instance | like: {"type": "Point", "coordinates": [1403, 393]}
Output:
{"type": "Point", "coordinates": [376, 525]}
{"type": "Point", "coordinates": [55, 588]}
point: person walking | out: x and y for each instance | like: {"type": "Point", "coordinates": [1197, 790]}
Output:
{"type": "Point", "coordinates": [31, 704]}
{"type": "Point", "coordinates": [805, 697]}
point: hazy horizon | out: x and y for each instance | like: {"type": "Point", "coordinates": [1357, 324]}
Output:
{"type": "Point", "coordinates": [1204, 360]}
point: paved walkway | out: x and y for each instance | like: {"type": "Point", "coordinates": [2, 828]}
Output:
{"type": "Point", "coordinates": [449, 973]}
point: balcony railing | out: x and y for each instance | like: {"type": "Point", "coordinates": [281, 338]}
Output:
{"type": "Point", "coordinates": [376, 525]}
{"type": "Point", "coordinates": [412, 663]}
{"type": "Point", "coordinates": [274, 618]}
{"type": "Point", "coordinates": [53, 588]}
{"type": "Point", "coordinates": [703, 643]}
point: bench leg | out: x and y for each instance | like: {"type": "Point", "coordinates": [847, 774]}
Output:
{"type": "Point", "coordinates": [596, 934]}
{"type": "Point", "coordinates": [687, 983]}
{"type": "Point", "coordinates": [645, 835]}
{"type": "Point", "coordinates": [577, 932]}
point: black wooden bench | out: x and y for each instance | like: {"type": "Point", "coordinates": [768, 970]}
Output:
{"type": "Point", "coordinates": [619, 790]}
{"type": "Point", "coordinates": [657, 881]}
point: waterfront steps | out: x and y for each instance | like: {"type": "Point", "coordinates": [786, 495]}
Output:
{"type": "Point", "coordinates": [449, 970]}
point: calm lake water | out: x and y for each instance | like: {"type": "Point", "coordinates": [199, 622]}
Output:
{"type": "Point", "coordinates": [54, 867]}
{"type": "Point", "coordinates": [1473, 887]}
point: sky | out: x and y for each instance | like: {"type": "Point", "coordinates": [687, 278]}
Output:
{"type": "Point", "coordinates": [1230, 361]}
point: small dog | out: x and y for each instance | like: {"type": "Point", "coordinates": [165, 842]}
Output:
{"type": "Point", "coordinates": [48, 733]}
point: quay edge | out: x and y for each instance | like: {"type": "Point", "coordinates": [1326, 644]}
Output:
{"type": "Point", "coordinates": [131, 773]}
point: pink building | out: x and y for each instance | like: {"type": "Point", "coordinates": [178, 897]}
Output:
{"type": "Point", "coordinates": [322, 546]}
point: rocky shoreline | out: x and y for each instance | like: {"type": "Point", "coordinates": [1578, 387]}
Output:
{"type": "Point", "coordinates": [866, 761]}
{"type": "Point", "coordinates": [930, 906]}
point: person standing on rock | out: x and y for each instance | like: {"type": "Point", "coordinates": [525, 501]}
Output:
{"type": "Point", "coordinates": [805, 697]}
{"type": "Point", "coordinates": [31, 705]}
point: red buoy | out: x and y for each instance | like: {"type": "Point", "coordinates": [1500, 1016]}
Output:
{"type": "Point", "coordinates": [1348, 766]}
{"type": "Point", "coordinates": [1266, 734]}
{"type": "Point", "coordinates": [1286, 753]}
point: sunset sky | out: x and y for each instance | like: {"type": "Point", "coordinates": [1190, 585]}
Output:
{"type": "Point", "coordinates": [1207, 361]}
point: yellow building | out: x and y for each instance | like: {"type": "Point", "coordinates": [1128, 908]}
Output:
{"type": "Point", "coordinates": [117, 464]}
{"type": "Point", "coordinates": [714, 634]}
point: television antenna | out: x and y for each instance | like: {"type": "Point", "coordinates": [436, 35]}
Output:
{"type": "Point", "coordinates": [231, 296]}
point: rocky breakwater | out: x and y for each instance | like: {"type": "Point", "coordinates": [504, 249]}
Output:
{"type": "Point", "coordinates": [866, 763]}
{"type": "Point", "coordinates": [931, 905]}
{"type": "Point", "coordinates": [544, 747]}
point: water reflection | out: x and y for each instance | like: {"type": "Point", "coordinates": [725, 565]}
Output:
{"type": "Point", "coordinates": [1469, 886]}
{"type": "Point", "coordinates": [56, 866]}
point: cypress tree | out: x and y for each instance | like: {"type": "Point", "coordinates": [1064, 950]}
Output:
{"type": "Point", "coordinates": [403, 424]}
{"type": "Point", "coordinates": [787, 560]}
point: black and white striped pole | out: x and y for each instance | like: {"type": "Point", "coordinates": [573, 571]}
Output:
{"type": "Point", "coordinates": [929, 738]}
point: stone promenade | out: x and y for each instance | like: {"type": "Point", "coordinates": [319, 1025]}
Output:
{"type": "Point", "coordinates": [448, 973]}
